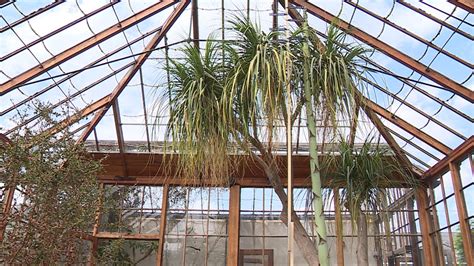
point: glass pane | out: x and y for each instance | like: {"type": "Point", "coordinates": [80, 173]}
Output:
{"type": "Point", "coordinates": [468, 193]}
{"type": "Point", "coordinates": [217, 250]}
{"type": "Point", "coordinates": [173, 250]}
{"type": "Point", "coordinates": [452, 210]}
{"type": "Point", "coordinates": [121, 251]}
{"type": "Point", "coordinates": [195, 251]}
{"type": "Point", "coordinates": [465, 172]}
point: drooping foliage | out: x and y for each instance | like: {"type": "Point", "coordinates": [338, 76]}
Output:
{"type": "Point", "coordinates": [56, 194]}
{"type": "Point", "coordinates": [362, 175]}
{"type": "Point", "coordinates": [231, 99]}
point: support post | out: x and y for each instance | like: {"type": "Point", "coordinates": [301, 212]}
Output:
{"type": "Point", "coordinates": [164, 211]}
{"type": "Point", "coordinates": [95, 230]}
{"type": "Point", "coordinates": [234, 226]}
{"type": "Point", "coordinates": [8, 201]}
{"type": "Point", "coordinates": [462, 213]}
{"type": "Point", "coordinates": [339, 229]}
{"type": "Point", "coordinates": [413, 239]}
{"type": "Point", "coordinates": [9, 192]}
{"type": "Point", "coordinates": [422, 201]}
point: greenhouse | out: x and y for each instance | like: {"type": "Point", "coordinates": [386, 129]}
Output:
{"type": "Point", "coordinates": [236, 132]}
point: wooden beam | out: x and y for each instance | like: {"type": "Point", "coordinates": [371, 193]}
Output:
{"type": "Point", "coordinates": [9, 192]}
{"type": "Point", "coordinates": [390, 51]}
{"type": "Point", "coordinates": [462, 213]}
{"type": "Point", "coordinates": [134, 69]}
{"type": "Point", "coordinates": [460, 153]}
{"type": "Point", "coordinates": [118, 130]}
{"type": "Point", "coordinates": [150, 169]}
{"type": "Point", "coordinates": [164, 213]}
{"type": "Point", "coordinates": [95, 229]}
{"type": "Point", "coordinates": [422, 202]}
{"type": "Point", "coordinates": [83, 46]}
{"type": "Point", "coordinates": [399, 153]}
{"type": "Point", "coordinates": [467, 5]}
{"type": "Point", "coordinates": [128, 236]}
{"type": "Point", "coordinates": [408, 127]}
{"type": "Point", "coordinates": [339, 229]}
{"type": "Point", "coordinates": [78, 116]}
{"type": "Point", "coordinates": [195, 20]}
{"type": "Point", "coordinates": [4, 138]}
{"type": "Point", "coordinates": [435, 19]}
{"type": "Point", "coordinates": [234, 226]}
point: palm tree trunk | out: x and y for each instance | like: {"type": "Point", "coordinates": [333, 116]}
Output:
{"type": "Point", "coordinates": [319, 220]}
{"type": "Point", "coordinates": [362, 241]}
{"type": "Point", "coordinates": [302, 238]}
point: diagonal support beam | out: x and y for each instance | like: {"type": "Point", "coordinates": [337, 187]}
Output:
{"type": "Point", "coordinates": [407, 127]}
{"type": "Point", "coordinates": [83, 46]}
{"type": "Point", "coordinates": [390, 51]}
{"type": "Point", "coordinates": [91, 108]}
{"type": "Point", "coordinates": [399, 153]}
{"type": "Point", "coordinates": [118, 130]}
{"type": "Point", "coordinates": [134, 69]}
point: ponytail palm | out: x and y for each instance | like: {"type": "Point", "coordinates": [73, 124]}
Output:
{"type": "Point", "coordinates": [232, 96]}
{"type": "Point", "coordinates": [363, 174]}
{"type": "Point", "coordinates": [197, 128]}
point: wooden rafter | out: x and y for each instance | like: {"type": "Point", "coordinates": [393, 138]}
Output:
{"type": "Point", "coordinates": [399, 153]}
{"type": "Point", "coordinates": [134, 69]}
{"type": "Point", "coordinates": [390, 51]}
{"type": "Point", "coordinates": [461, 152]}
{"type": "Point", "coordinates": [408, 127]}
{"type": "Point", "coordinates": [119, 131]}
{"type": "Point", "coordinates": [91, 108]}
{"type": "Point", "coordinates": [83, 46]}
{"type": "Point", "coordinates": [467, 5]}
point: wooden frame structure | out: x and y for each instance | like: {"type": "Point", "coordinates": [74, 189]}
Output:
{"type": "Point", "coordinates": [127, 168]}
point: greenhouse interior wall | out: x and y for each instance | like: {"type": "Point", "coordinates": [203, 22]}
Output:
{"type": "Point", "coordinates": [207, 225]}
{"type": "Point", "coordinates": [199, 223]}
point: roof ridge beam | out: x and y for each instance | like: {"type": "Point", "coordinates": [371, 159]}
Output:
{"type": "Point", "coordinates": [83, 46]}
{"type": "Point", "coordinates": [390, 51]}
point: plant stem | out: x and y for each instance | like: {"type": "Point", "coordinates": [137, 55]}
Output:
{"type": "Point", "coordinates": [321, 234]}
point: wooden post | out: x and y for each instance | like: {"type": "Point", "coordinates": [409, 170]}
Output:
{"type": "Point", "coordinates": [95, 230]}
{"type": "Point", "coordinates": [462, 213]}
{"type": "Point", "coordinates": [422, 202]}
{"type": "Point", "coordinates": [413, 239]}
{"type": "Point", "coordinates": [164, 211]}
{"type": "Point", "coordinates": [9, 192]}
{"type": "Point", "coordinates": [339, 229]}
{"type": "Point", "coordinates": [234, 226]}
